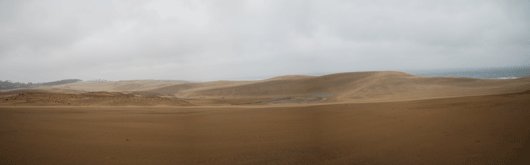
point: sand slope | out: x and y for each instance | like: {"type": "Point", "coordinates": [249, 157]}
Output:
{"type": "Point", "coordinates": [355, 87]}
{"type": "Point", "coordinates": [467, 130]}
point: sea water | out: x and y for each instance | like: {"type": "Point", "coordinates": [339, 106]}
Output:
{"type": "Point", "coordinates": [483, 73]}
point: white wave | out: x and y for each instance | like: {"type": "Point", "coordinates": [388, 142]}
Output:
{"type": "Point", "coordinates": [507, 77]}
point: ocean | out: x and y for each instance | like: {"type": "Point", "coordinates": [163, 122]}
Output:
{"type": "Point", "coordinates": [482, 73]}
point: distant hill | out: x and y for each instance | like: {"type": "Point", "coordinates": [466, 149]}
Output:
{"type": "Point", "coordinates": [67, 81]}
{"type": "Point", "coordinates": [15, 85]}
{"type": "Point", "coordinates": [12, 85]}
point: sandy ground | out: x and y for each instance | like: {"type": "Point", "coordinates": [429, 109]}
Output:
{"type": "Point", "coordinates": [469, 130]}
{"type": "Point", "coordinates": [371, 118]}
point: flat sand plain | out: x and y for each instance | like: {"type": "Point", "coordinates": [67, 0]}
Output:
{"type": "Point", "coordinates": [436, 121]}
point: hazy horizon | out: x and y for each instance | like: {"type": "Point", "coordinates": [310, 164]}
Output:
{"type": "Point", "coordinates": [525, 70]}
{"type": "Point", "coordinates": [44, 41]}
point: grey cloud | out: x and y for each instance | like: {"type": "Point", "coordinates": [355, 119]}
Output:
{"type": "Point", "coordinates": [208, 40]}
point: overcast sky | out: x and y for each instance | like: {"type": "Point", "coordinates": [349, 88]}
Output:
{"type": "Point", "coordinates": [213, 40]}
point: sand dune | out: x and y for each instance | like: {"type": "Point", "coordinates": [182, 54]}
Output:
{"type": "Point", "coordinates": [345, 118]}
{"type": "Point", "coordinates": [355, 87]}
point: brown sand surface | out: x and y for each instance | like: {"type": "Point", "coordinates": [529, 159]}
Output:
{"type": "Point", "coordinates": [346, 118]}
{"type": "Point", "coordinates": [466, 130]}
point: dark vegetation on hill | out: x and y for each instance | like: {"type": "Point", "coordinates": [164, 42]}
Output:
{"type": "Point", "coordinates": [60, 82]}
{"type": "Point", "coordinates": [15, 85]}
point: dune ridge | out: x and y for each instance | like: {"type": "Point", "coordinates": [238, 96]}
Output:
{"type": "Point", "coordinates": [352, 87]}
{"type": "Point", "coordinates": [357, 87]}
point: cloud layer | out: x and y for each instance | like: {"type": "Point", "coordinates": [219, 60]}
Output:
{"type": "Point", "coordinates": [212, 40]}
